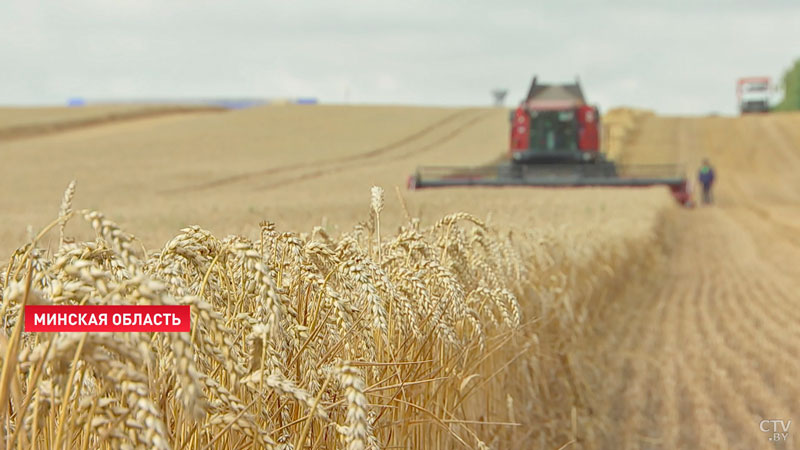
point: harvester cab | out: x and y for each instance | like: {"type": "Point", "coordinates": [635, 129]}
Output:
{"type": "Point", "coordinates": [554, 124]}
{"type": "Point", "coordinates": [554, 142]}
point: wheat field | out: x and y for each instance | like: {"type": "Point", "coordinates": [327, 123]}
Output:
{"type": "Point", "coordinates": [333, 309]}
{"type": "Point", "coordinates": [298, 166]}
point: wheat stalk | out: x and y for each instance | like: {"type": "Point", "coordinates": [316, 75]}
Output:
{"type": "Point", "coordinates": [448, 330]}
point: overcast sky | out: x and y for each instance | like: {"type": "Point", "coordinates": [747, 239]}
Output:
{"type": "Point", "coordinates": [674, 56]}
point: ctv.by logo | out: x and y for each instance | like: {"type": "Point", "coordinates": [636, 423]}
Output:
{"type": "Point", "coordinates": [778, 429]}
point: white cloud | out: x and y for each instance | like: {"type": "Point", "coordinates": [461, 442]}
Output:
{"type": "Point", "coordinates": [387, 83]}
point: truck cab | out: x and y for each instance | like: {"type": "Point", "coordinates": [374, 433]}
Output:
{"type": "Point", "coordinates": [753, 94]}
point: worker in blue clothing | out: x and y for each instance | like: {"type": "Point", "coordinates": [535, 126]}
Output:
{"type": "Point", "coordinates": [706, 178]}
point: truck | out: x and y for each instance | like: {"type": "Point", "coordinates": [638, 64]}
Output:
{"type": "Point", "coordinates": [753, 94]}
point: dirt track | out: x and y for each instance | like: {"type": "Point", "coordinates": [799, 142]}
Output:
{"type": "Point", "coordinates": [20, 123]}
{"type": "Point", "coordinates": [711, 347]}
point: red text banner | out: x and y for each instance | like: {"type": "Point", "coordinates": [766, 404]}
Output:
{"type": "Point", "coordinates": [106, 318]}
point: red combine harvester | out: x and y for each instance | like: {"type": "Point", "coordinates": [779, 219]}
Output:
{"type": "Point", "coordinates": [555, 142]}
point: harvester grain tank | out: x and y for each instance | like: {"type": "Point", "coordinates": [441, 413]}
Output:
{"type": "Point", "coordinates": [555, 142]}
{"type": "Point", "coordinates": [554, 123]}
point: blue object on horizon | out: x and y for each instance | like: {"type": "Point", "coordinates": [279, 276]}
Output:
{"type": "Point", "coordinates": [237, 104]}
{"type": "Point", "coordinates": [234, 103]}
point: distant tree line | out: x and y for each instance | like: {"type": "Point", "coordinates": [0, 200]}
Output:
{"type": "Point", "coordinates": [791, 87]}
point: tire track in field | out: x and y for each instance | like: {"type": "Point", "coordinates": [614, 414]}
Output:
{"type": "Point", "coordinates": [326, 164]}
{"type": "Point", "coordinates": [637, 416]}
{"type": "Point", "coordinates": [646, 427]}
{"type": "Point", "coordinates": [367, 162]}
{"type": "Point", "coordinates": [35, 130]}
{"type": "Point", "coordinates": [670, 414]}
{"type": "Point", "coordinates": [634, 398]}
{"type": "Point", "coordinates": [652, 342]}
{"type": "Point", "coordinates": [706, 431]}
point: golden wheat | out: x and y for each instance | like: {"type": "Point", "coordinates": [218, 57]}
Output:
{"type": "Point", "coordinates": [453, 335]}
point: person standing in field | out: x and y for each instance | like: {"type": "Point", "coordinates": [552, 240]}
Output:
{"type": "Point", "coordinates": [706, 178]}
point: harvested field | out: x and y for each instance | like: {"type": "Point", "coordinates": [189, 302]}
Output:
{"type": "Point", "coordinates": [708, 347]}
{"type": "Point", "coordinates": [596, 318]}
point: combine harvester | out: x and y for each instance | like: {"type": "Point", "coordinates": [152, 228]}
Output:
{"type": "Point", "coordinates": [555, 142]}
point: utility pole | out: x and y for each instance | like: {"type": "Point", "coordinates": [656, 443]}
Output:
{"type": "Point", "coordinates": [499, 96]}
